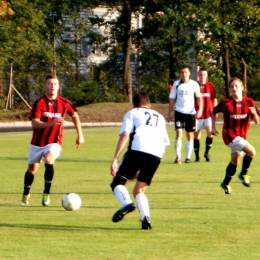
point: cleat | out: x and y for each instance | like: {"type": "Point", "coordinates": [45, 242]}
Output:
{"type": "Point", "coordinates": [207, 157]}
{"type": "Point", "coordinates": [177, 160]}
{"type": "Point", "coordinates": [226, 188]}
{"type": "Point", "coordinates": [197, 159]}
{"type": "Point", "coordinates": [25, 200]}
{"type": "Point", "coordinates": [119, 215]}
{"type": "Point", "coordinates": [244, 179]}
{"type": "Point", "coordinates": [187, 160]}
{"type": "Point", "coordinates": [146, 223]}
{"type": "Point", "coordinates": [45, 199]}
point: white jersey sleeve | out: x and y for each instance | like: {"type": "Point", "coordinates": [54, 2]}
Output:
{"type": "Point", "coordinates": [149, 131]}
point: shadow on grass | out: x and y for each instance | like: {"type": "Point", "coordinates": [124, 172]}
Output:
{"type": "Point", "coordinates": [64, 227]}
{"type": "Point", "coordinates": [64, 159]}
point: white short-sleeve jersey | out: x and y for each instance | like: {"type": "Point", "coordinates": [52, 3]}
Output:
{"type": "Point", "coordinates": [184, 95]}
{"type": "Point", "coordinates": [147, 129]}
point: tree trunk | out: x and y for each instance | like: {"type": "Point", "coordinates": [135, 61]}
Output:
{"type": "Point", "coordinates": [226, 66]}
{"type": "Point", "coordinates": [173, 54]}
{"type": "Point", "coordinates": [245, 74]}
{"type": "Point", "coordinates": [127, 76]}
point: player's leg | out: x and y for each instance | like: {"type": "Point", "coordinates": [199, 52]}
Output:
{"type": "Point", "coordinates": [190, 127]}
{"type": "Point", "coordinates": [51, 153]}
{"type": "Point", "coordinates": [178, 145]}
{"type": "Point", "coordinates": [189, 146]}
{"type": "Point", "coordinates": [34, 158]}
{"type": "Point", "coordinates": [148, 167]}
{"type": "Point", "coordinates": [209, 139]}
{"type": "Point", "coordinates": [142, 204]}
{"type": "Point", "coordinates": [197, 136]}
{"type": "Point", "coordinates": [230, 171]}
{"type": "Point", "coordinates": [178, 125]}
{"type": "Point", "coordinates": [250, 154]}
{"type": "Point", "coordinates": [236, 148]}
{"type": "Point", "coordinates": [126, 171]}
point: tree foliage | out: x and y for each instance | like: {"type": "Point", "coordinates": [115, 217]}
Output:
{"type": "Point", "coordinates": [40, 37]}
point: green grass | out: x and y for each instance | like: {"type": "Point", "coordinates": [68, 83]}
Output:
{"type": "Point", "coordinates": [192, 217]}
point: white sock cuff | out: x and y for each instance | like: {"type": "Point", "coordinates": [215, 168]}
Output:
{"type": "Point", "coordinates": [122, 195]}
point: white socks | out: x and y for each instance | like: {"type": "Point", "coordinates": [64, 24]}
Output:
{"type": "Point", "coordinates": [189, 148]}
{"type": "Point", "coordinates": [177, 147]}
{"type": "Point", "coordinates": [142, 204]}
{"type": "Point", "coordinates": [122, 195]}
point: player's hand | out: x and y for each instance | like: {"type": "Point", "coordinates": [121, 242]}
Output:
{"type": "Point", "coordinates": [79, 141]}
{"type": "Point", "coordinates": [58, 120]}
{"type": "Point", "coordinates": [113, 167]}
{"type": "Point", "coordinates": [168, 118]}
{"type": "Point", "coordinates": [199, 114]}
{"type": "Point", "coordinates": [214, 132]}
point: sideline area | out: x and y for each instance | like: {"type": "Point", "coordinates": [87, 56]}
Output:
{"type": "Point", "coordinates": [26, 125]}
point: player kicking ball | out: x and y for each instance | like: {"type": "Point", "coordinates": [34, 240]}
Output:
{"type": "Point", "coordinates": [237, 111]}
{"type": "Point", "coordinates": [145, 129]}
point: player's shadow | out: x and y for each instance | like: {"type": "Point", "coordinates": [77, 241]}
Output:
{"type": "Point", "coordinates": [63, 227]}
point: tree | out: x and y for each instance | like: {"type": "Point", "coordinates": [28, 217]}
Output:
{"type": "Point", "coordinates": [23, 43]}
{"type": "Point", "coordinates": [121, 34]}
{"type": "Point", "coordinates": [228, 28]}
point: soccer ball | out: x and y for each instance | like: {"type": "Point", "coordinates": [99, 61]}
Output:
{"type": "Point", "coordinates": [71, 201]}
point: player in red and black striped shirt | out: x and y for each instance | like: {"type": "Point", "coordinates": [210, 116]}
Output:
{"type": "Point", "coordinates": [207, 90]}
{"type": "Point", "coordinates": [47, 117]}
{"type": "Point", "coordinates": [237, 111]}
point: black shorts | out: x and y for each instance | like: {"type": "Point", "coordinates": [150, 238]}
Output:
{"type": "Point", "coordinates": [185, 121]}
{"type": "Point", "coordinates": [134, 162]}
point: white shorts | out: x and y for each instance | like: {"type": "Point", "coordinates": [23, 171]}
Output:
{"type": "Point", "coordinates": [37, 152]}
{"type": "Point", "coordinates": [203, 123]}
{"type": "Point", "coordinates": [237, 145]}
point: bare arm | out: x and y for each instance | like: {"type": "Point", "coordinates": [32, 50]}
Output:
{"type": "Point", "coordinates": [123, 139]}
{"type": "Point", "coordinates": [215, 102]}
{"type": "Point", "coordinates": [38, 124]}
{"type": "Point", "coordinates": [76, 122]}
{"type": "Point", "coordinates": [170, 108]}
{"type": "Point", "coordinates": [200, 103]}
{"type": "Point", "coordinates": [255, 115]}
{"type": "Point", "coordinates": [213, 130]}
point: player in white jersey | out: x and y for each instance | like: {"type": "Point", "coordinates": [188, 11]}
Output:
{"type": "Point", "coordinates": [184, 93]}
{"type": "Point", "coordinates": [146, 131]}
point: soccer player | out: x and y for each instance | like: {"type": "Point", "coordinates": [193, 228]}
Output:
{"type": "Point", "coordinates": [146, 131]}
{"type": "Point", "coordinates": [184, 93]}
{"type": "Point", "coordinates": [47, 117]}
{"type": "Point", "coordinates": [209, 99]}
{"type": "Point", "coordinates": [237, 111]}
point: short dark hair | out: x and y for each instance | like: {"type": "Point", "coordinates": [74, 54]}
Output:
{"type": "Point", "coordinates": [185, 67]}
{"type": "Point", "coordinates": [203, 69]}
{"type": "Point", "coordinates": [51, 76]}
{"type": "Point", "coordinates": [140, 99]}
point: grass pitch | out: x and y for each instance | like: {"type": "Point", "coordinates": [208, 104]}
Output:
{"type": "Point", "coordinates": [192, 218]}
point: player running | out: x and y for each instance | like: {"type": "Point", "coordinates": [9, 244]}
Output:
{"type": "Point", "coordinates": [146, 131]}
{"type": "Point", "coordinates": [237, 111]}
{"type": "Point", "coordinates": [47, 117]}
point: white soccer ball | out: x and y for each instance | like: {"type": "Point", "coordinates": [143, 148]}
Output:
{"type": "Point", "coordinates": [71, 201]}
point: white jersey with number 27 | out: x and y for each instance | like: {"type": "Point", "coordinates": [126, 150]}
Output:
{"type": "Point", "coordinates": [149, 129]}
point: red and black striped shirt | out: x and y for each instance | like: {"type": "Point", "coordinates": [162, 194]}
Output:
{"type": "Point", "coordinates": [236, 117]}
{"type": "Point", "coordinates": [208, 95]}
{"type": "Point", "coordinates": [46, 110]}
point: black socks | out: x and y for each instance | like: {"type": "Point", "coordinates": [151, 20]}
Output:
{"type": "Point", "coordinates": [48, 176]}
